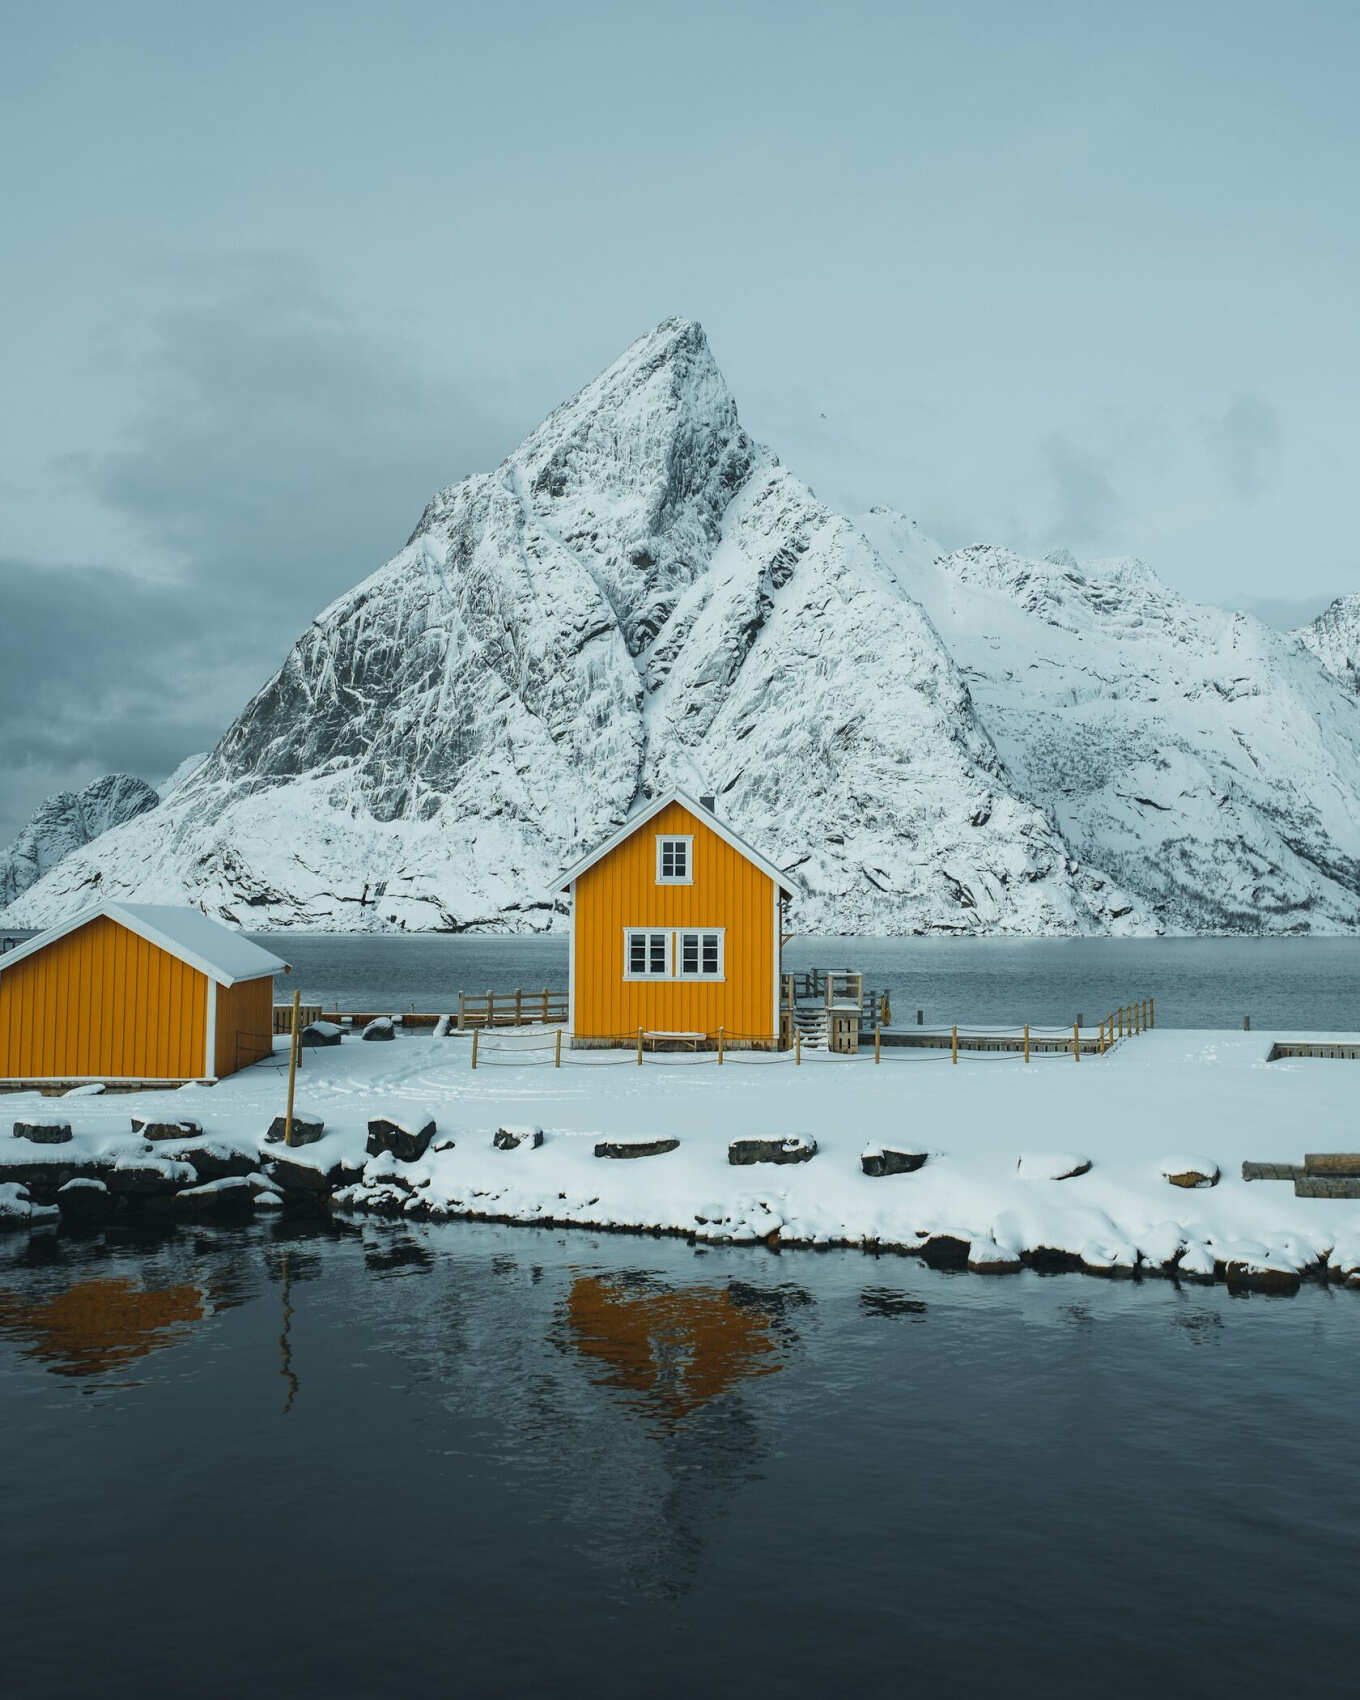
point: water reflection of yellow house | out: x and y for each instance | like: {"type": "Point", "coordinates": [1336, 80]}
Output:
{"type": "Point", "coordinates": [101, 1325]}
{"type": "Point", "coordinates": [672, 1350]}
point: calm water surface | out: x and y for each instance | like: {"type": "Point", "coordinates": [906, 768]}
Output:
{"type": "Point", "coordinates": [1297, 983]}
{"type": "Point", "coordinates": [455, 1459]}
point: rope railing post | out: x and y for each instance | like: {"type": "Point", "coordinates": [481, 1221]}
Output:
{"type": "Point", "coordinates": [954, 1044]}
{"type": "Point", "coordinates": [797, 1047]}
{"type": "Point", "coordinates": [720, 1047]}
{"type": "Point", "coordinates": [1076, 1042]}
{"type": "Point", "coordinates": [490, 1020]}
{"type": "Point", "coordinates": [639, 1044]}
{"type": "Point", "coordinates": [1027, 1041]}
{"type": "Point", "coordinates": [557, 1055]}
{"type": "Point", "coordinates": [877, 1031]}
{"type": "Point", "coordinates": [462, 1012]}
{"type": "Point", "coordinates": [1152, 1012]}
{"type": "Point", "coordinates": [476, 1034]}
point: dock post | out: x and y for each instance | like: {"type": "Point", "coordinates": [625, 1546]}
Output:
{"type": "Point", "coordinates": [1121, 1021]}
{"type": "Point", "coordinates": [1152, 1012]}
{"type": "Point", "coordinates": [545, 1006]}
{"type": "Point", "coordinates": [639, 1047]}
{"type": "Point", "coordinates": [720, 1047]}
{"type": "Point", "coordinates": [476, 1034]}
{"type": "Point", "coordinates": [920, 1018]}
{"type": "Point", "coordinates": [462, 1012]}
{"type": "Point", "coordinates": [1027, 1041]}
{"type": "Point", "coordinates": [292, 1065]}
{"type": "Point", "coordinates": [1138, 1018]}
{"type": "Point", "coordinates": [1246, 1024]}
{"type": "Point", "coordinates": [557, 1058]}
{"type": "Point", "coordinates": [877, 1031]}
{"type": "Point", "coordinates": [954, 1045]}
{"type": "Point", "coordinates": [1076, 1043]}
{"type": "Point", "coordinates": [490, 1010]}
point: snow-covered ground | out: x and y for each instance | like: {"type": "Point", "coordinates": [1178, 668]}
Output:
{"type": "Point", "coordinates": [994, 1129]}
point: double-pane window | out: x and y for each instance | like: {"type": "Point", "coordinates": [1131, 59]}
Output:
{"type": "Point", "coordinates": [674, 861]}
{"type": "Point", "coordinates": [699, 956]}
{"type": "Point", "coordinates": [673, 953]}
{"type": "Point", "coordinates": [647, 954]}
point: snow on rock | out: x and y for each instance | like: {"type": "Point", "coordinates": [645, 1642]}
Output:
{"type": "Point", "coordinates": [1051, 1165]}
{"type": "Point", "coordinates": [1205, 763]}
{"type": "Point", "coordinates": [66, 822]}
{"type": "Point", "coordinates": [986, 1257]}
{"type": "Point", "coordinates": [17, 1210]}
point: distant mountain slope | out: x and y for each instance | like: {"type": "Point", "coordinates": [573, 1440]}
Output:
{"type": "Point", "coordinates": [1204, 760]}
{"type": "Point", "coordinates": [1334, 637]}
{"type": "Point", "coordinates": [66, 822]}
{"type": "Point", "coordinates": [640, 595]}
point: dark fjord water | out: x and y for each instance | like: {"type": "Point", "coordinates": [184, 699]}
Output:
{"type": "Point", "coordinates": [1295, 983]}
{"type": "Point", "coordinates": [464, 1460]}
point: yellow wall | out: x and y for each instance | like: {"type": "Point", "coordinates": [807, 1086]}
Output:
{"type": "Point", "coordinates": [620, 890]}
{"type": "Point", "coordinates": [245, 1023]}
{"type": "Point", "coordinates": [102, 1002]}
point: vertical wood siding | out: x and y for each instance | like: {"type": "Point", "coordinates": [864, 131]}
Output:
{"type": "Point", "coordinates": [621, 891]}
{"type": "Point", "coordinates": [102, 1002]}
{"type": "Point", "coordinates": [245, 1023]}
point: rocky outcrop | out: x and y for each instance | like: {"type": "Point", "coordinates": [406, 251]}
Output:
{"type": "Point", "coordinates": [67, 822]}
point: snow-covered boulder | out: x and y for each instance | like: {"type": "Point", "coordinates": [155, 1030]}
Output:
{"type": "Point", "coordinates": [793, 1148]}
{"type": "Point", "coordinates": [381, 1027]}
{"type": "Point", "coordinates": [43, 1133]}
{"type": "Point", "coordinates": [986, 1257]}
{"type": "Point", "coordinates": [17, 1209]}
{"type": "Point", "coordinates": [407, 1139]}
{"type": "Point", "coordinates": [880, 1160]}
{"type": "Point", "coordinates": [316, 1035]}
{"type": "Point", "coordinates": [183, 1127]}
{"type": "Point", "coordinates": [517, 1138]}
{"type": "Point", "coordinates": [635, 1147]}
{"type": "Point", "coordinates": [306, 1129]}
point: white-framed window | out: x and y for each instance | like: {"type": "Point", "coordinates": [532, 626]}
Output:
{"type": "Point", "coordinates": [673, 953]}
{"type": "Point", "coordinates": [699, 953]}
{"type": "Point", "coordinates": [674, 859]}
{"type": "Point", "coordinates": [647, 953]}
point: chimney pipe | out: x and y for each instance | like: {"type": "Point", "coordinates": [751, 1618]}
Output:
{"type": "Point", "coordinates": [709, 802]}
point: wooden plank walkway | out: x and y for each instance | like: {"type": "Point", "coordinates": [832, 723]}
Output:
{"type": "Point", "coordinates": [1283, 1048]}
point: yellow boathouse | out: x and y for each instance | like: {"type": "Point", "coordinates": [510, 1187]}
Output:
{"type": "Point", "coordinates": [135, 991]}
{"type": "Point", "coordinates": [675, 932]}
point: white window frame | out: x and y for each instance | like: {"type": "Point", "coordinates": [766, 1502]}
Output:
{"type": "Point", "coordinates": [699, 933]}
{"type": "Point", "coordinates": [674, 937]}
{"type": "Point", "coordinates": [648, 933]}
{"type": "Point", "coordinates": [685, 838]}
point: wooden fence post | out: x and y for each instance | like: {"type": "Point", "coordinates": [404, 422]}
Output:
{"type": "Point", "coordinates": [476, 1033]}
{"type": "Point", "coordinates": [1076, 1043]}
{"type": "Point", "coordinates": [639, 1047]}
{"type": "Point", "coordinates": [1027, 1041]}
{"type": "Point", "coordinates": [545, 1006]}
{"type": "Point", "coordinates": [462, 1012]}
{"type": "Point", "coordinates": [1152, 1012]}
{"type": "Point", "coordinates": [557, 1059]}
{"type": "Point", "coordinates": [519, 1007]}
{"type": "Point", "coordinates": [797, 1047]}
{"type": "Point", "coordinates": [720, 1047]}
{"type": "Point", "coordinates": [877, 1031]}
{"type": "Point", "coordinates": [490, 1020]}
{"type": "Point", "coordinates": [954, 1045]}
{"type": "Point", "coordinates": [292, 1065]}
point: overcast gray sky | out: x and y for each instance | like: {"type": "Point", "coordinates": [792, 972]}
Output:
{"type": "Point", "coordinates": [1053, 273]}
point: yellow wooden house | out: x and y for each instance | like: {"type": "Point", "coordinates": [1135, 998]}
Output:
{"type": "Point", "coordinates": [135, 991]}
{"type": "Point", "coordinates": [675, 933]}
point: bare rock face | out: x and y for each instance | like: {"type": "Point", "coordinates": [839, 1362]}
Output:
{"type": "Point", "coordinates": [67, 822]}
{"type": "Point", "coordinates": [517, 1138]}
{"type": "Point", "coordinates": [635, 1147]}
{"type": "Point", "coordinates": [44, 1133]}
{"type": "Point", "coordinates": [306, 1130]}
{"type": "Point", "coordinates": [183, 1128]}
{"type": "Point", "coordinates": [1190, 1172]}
{"type": "Point", "coordinates": [881, 1160]}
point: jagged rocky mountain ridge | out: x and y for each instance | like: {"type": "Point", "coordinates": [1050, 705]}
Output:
{"type": "Point", "coordinates": [642, 596]}
{"type": "Point", "coordinates": [1334, 637]}
{"type": "Point", "coordinates": [68, 821]}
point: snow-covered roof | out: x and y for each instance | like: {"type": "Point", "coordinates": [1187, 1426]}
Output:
{"type": "Point", "coordinates": [215, 950]}
{"type": "Point", "coordinates": [710, 820]}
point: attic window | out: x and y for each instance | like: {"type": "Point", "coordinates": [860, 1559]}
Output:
{"type": "Point", "coordinates": [675, 861]}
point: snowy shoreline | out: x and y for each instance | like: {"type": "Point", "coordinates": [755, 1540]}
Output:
{"type": "Point", "coordinates": [993, 1133]}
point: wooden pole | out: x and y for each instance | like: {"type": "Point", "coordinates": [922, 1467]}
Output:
{"type": "Point", "coordinates": [1076, 1043]}
{"type": "Point", "coordinates": [545, 1006]}
{"type": "Point", "coordinates": [877, 1031]}
{"type": "Point", "coordinates": [557, 1059]}
{"type": "Point", "coordinates": [476, 1033]}
{"type": "Point", "coordinates": [954, 1045]}
{"type": "Point", "coordinates": [720, 1047]}
{"type": "Point", "coordinates": [462, 1012]}
{"type": "Point", "coordinates": [292, 1068]}
{"type": "Point", "coordinates": [1121, 1021]}
{"type": "Point", "coordinates": [519, 1007]}
{"type": "Point", "coordinates": [797, 1047]}
{"type": "Point", "coordinates": [1152, 1012]}
{"type": "Point", "coordinates": [490, 1010]}
{"type": "Point", "coordinates": [639, 1047]}
{"type": "Point", "coordinates": [1027, 1041]}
